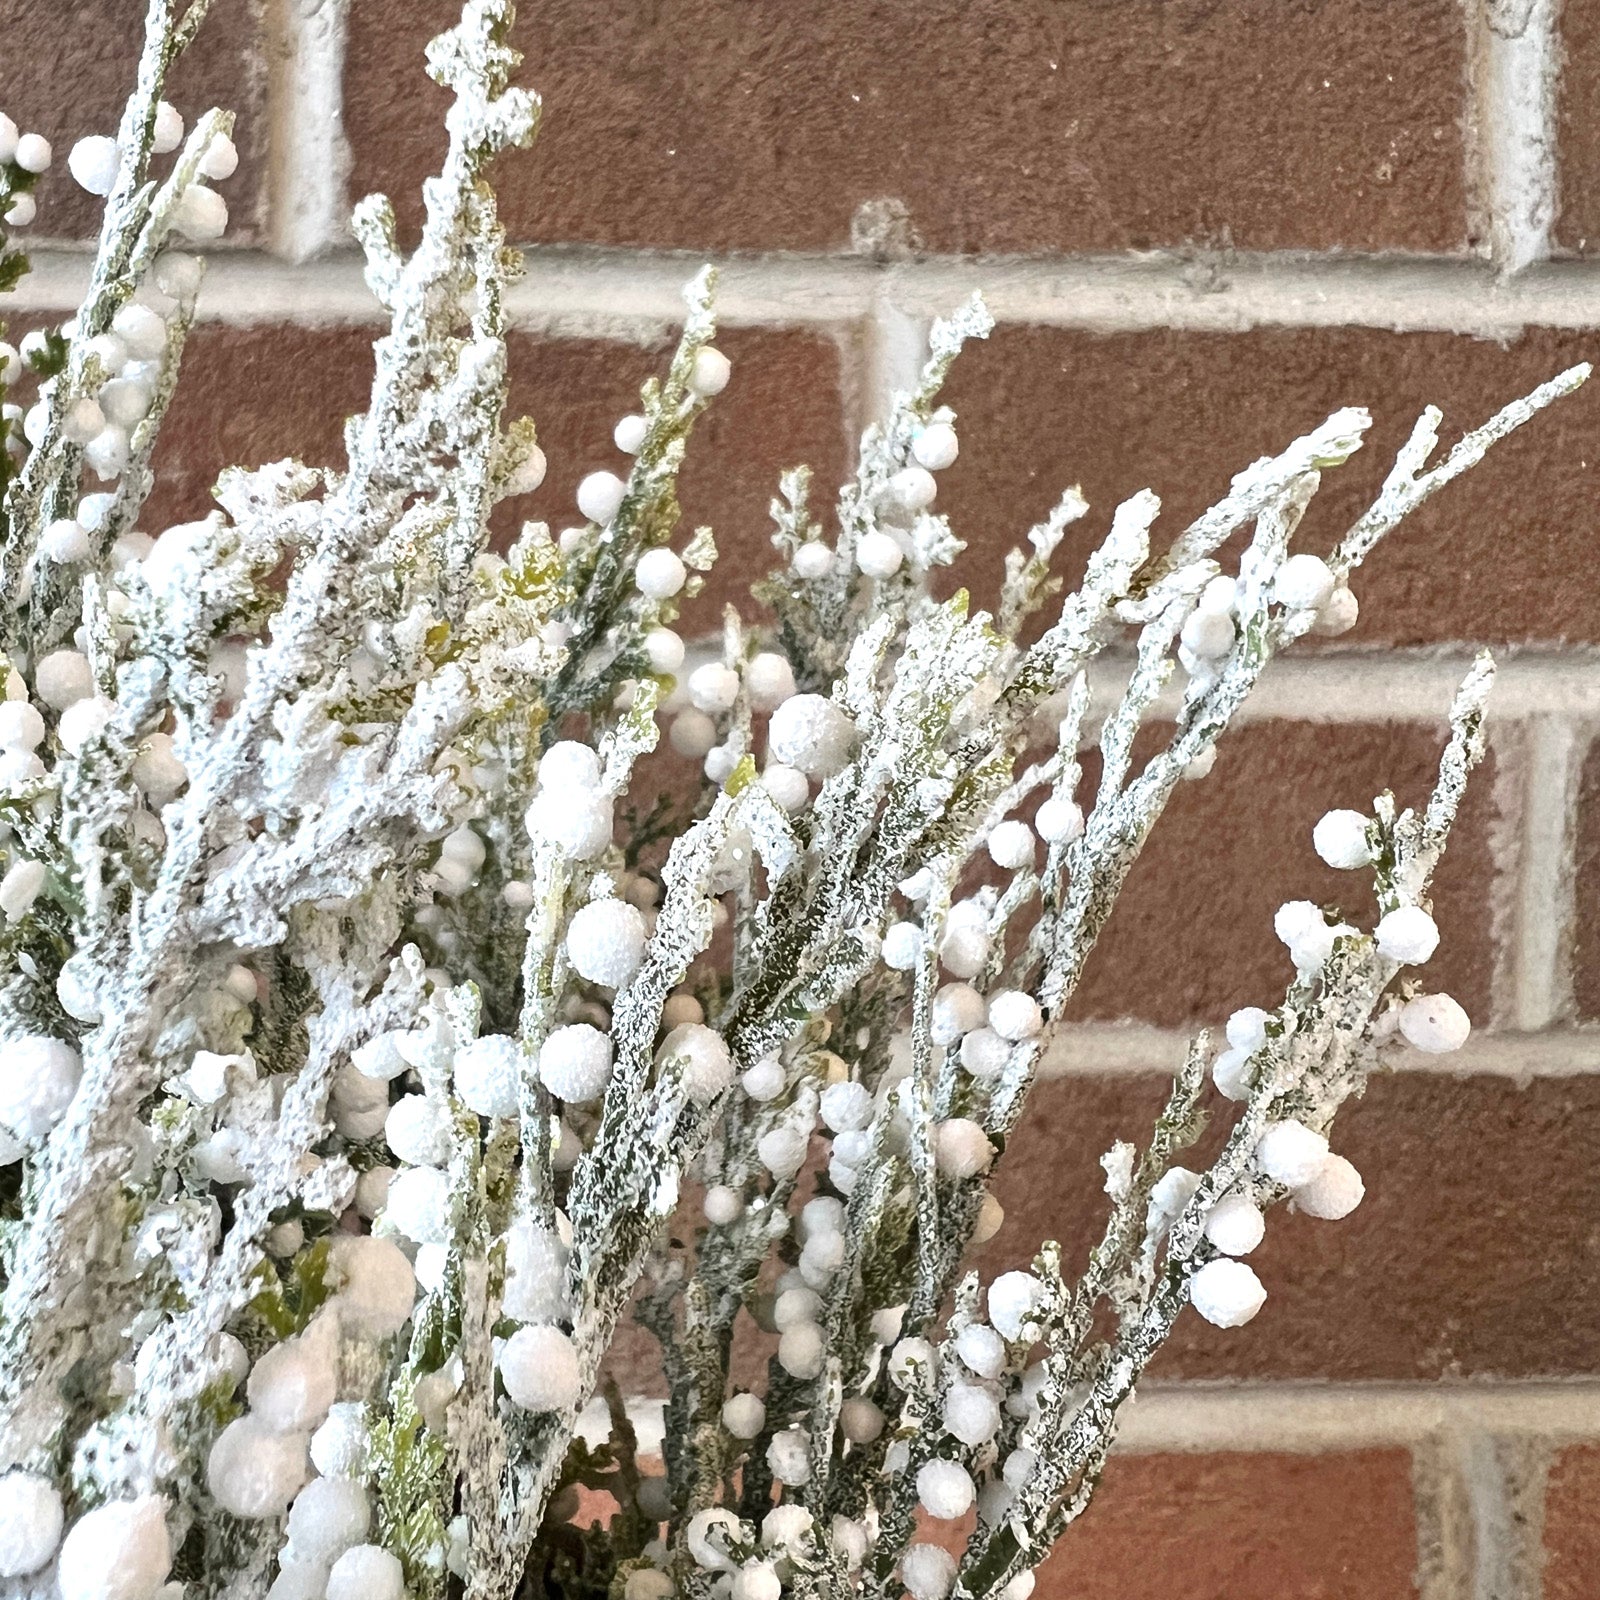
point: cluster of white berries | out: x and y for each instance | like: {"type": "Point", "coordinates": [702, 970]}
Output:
{"type": "Point", "coordinates": [119, 1550]}
{"type": "Point", "coordinates": [788, 1530]}
{"type": "Point", "coordinates": [123, 364]}
{"type": "Point", "coordinates": [659, 574]}
{"type": "Point", "coordinates": [302, 1444]}
{"type": "Point", "coordinates": [1322, 1184]}
{"type": "Point", "coordinates": [809, 737]}
{"type": "Point", "coordinates": [298, 1447]}
{"type": "Point", "coordinates": [538, 1363]}
{"type": "Point", "coordinates": [95, 161]}
{"type": "Point", "coordinates": [747, 1563]}
{"type": "Point", "coordinates": [124, 371]}
{"type": "Point", "coordinates": [985, 1029]}
{"type": "Point", "coordinates": [978, 1391]}
{"type": "Point", "coordinates": [63, 714]}
{"type": "Point", "coordinates": [884, 548]}
{"type": "Point", "coordinates": [28, 153]}
{"type": "Point", "coordinates": [1406, 935]}
{"type": "Point", "coordinates": [1303, 583]}
{"type": "Point", "coordinates": [1225, 1290]}
{"type": "Point", "coordinates": [571, 810]}
{"type": "Point", "coordinates": [798, 1303]}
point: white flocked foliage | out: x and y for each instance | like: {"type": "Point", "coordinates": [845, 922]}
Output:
{"type": "Point", "coordinates": [376, 1033]}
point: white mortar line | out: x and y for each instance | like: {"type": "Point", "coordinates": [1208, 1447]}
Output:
{"type": "Point", "coordinates": [1414, 685]}
{"type": "Point", "coordinates": [1306, 1417]}
{"type": "Point", "coordinates": [1480, 1462]}
{"type": "Point", "coordinates": [1552, 757]}
{"type": "Point", "coordinates": [628, 291]}
{"type": "Point", "coordinates": [897, 346]}
{"type": "Point", "coordinates": [1445, 1532]}
{"type": "Point", "coordinates": [1126, 1049]}
{"type": "Point", "coordinates": [307, 203]}
{"type": "Point", "coordinates": [1513, 65]}
{"type": "Point", "coordinates": [1402, 686]}
{"type": "Point", "coordinates": [1310, 1417]}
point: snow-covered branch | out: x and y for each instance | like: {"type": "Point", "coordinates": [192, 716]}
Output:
{"type": "Point", "coordinates": [381, 1024]}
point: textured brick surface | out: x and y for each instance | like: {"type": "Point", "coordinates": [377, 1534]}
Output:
{"type": "Point", "coordinates": [1577, 229]}
{"type": "Point", "coordinates": [1474, 1253]}
{"type": "Point", "coordinates": [1502, 554]}
{"type": "Point", "coordinates": [257, 394]}
{"type": "Point", "coordinates": [1191, 937]}
{"type": "Point", "coordinates": [1243, 1527]}
{"type": "Point", "coordinates": [66, 68]}
{"type": "Point", "coordinates": [1003, 126]}
{"type": "Point", "coordinates": [1571, 1529]}
{"type": "Point", "coordinates": [1586, 896]}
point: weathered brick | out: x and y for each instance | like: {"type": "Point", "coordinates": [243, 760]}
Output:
{"type": "Point", "coordinates": [257, 394]}
{"type": "Point", "coordinates": [1577, 229]}
{"type": "Point", "coordinates": [1474, 1253]}
{"type": "Point", "coordinates": [1242, 1527]}
{"type": "Point", "coordinates": [1571, 1530]}
{"type": "Point", "coordinates": [1191, 936]}
{"type": "Point", "coordinates": [1225, 1526]}
{"type": "Point", "coordinates": [1503, 554]}
{"type": "Point", "coordinates": [67, 67]}
{"type": "Point", "coordinates": [722, 124]}
{"type": "Point", "coordinates": [1585, 954]}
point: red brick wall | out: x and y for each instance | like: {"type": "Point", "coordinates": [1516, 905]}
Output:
{"type": "Point", "coordinates": [1203, 224]}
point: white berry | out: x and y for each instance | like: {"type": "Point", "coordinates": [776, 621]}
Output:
{"type": "Point", "coordinates": [1290, 1153]}
{"type": "Point", "coordinates": [1434, 1023]}
{"type": "Point", "coordinates": [879, 555]}
{"type": "Point", "coordinates": [1235, 1225]}
{"type": "Point", "coordinates": [539, 1366]}
{"type": "Point", "coordinates": [1340, 838]}
{"type": "Point", "coordinates": [1226, 1293]}
{"type": "Point", "coordinates": [575, 1063]}
{"type": "Point", "coordinates": [658, 574]}
{"type": "Point", "coordinates": [600, 496]}
{"type": "Point", "coordinates": [1304, 582]}
{"type": "Point", "coordinates": [93, 163]}
{"type": "Point", "coordinates": [30, 1523]}
{"type": "Point", "coordinates": [935, 446]}
{"type": "Point", "coordinates": [605, 942]}
{"type": "Point", "coordinates": [1408, 935]}
{"type": "Point", "coordinates": [810, 733]}
{"type": "Point", "coordinates": [487, 1073]}
{"type": "Point", "coordinates": [710, 373]}
{"type": "Point", "coordinates": [1335, 1192]}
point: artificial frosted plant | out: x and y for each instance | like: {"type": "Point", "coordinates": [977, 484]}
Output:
{"type": "Point", "coordinates": [364, 1028]}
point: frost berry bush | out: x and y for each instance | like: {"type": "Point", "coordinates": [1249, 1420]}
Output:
{"type": "Point", "coordinates": [369, 1016]}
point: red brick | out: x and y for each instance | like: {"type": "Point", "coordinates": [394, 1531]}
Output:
{"type": "Point", "coordinates": [68, 66]}
{"type": "Point", "coordinates": [998, 125]}
{"type": "Point", "coordinates": [1586, 897]}
{"type": "Point", "coordinates": [257, 394]}
{"type": "Point", "coordinates": [1503, 554]}
{"type": "Point", "coordinates": [1571, 1530]}
{"type": "Point", "coordinates": [1242, 1527]}
{"type": "Point", "coordinates": [1473, 1255]}
{"type": "Point", "coordinates": [1191, 937]}
{"type": "Point", "coordinates": [1577, 229]}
